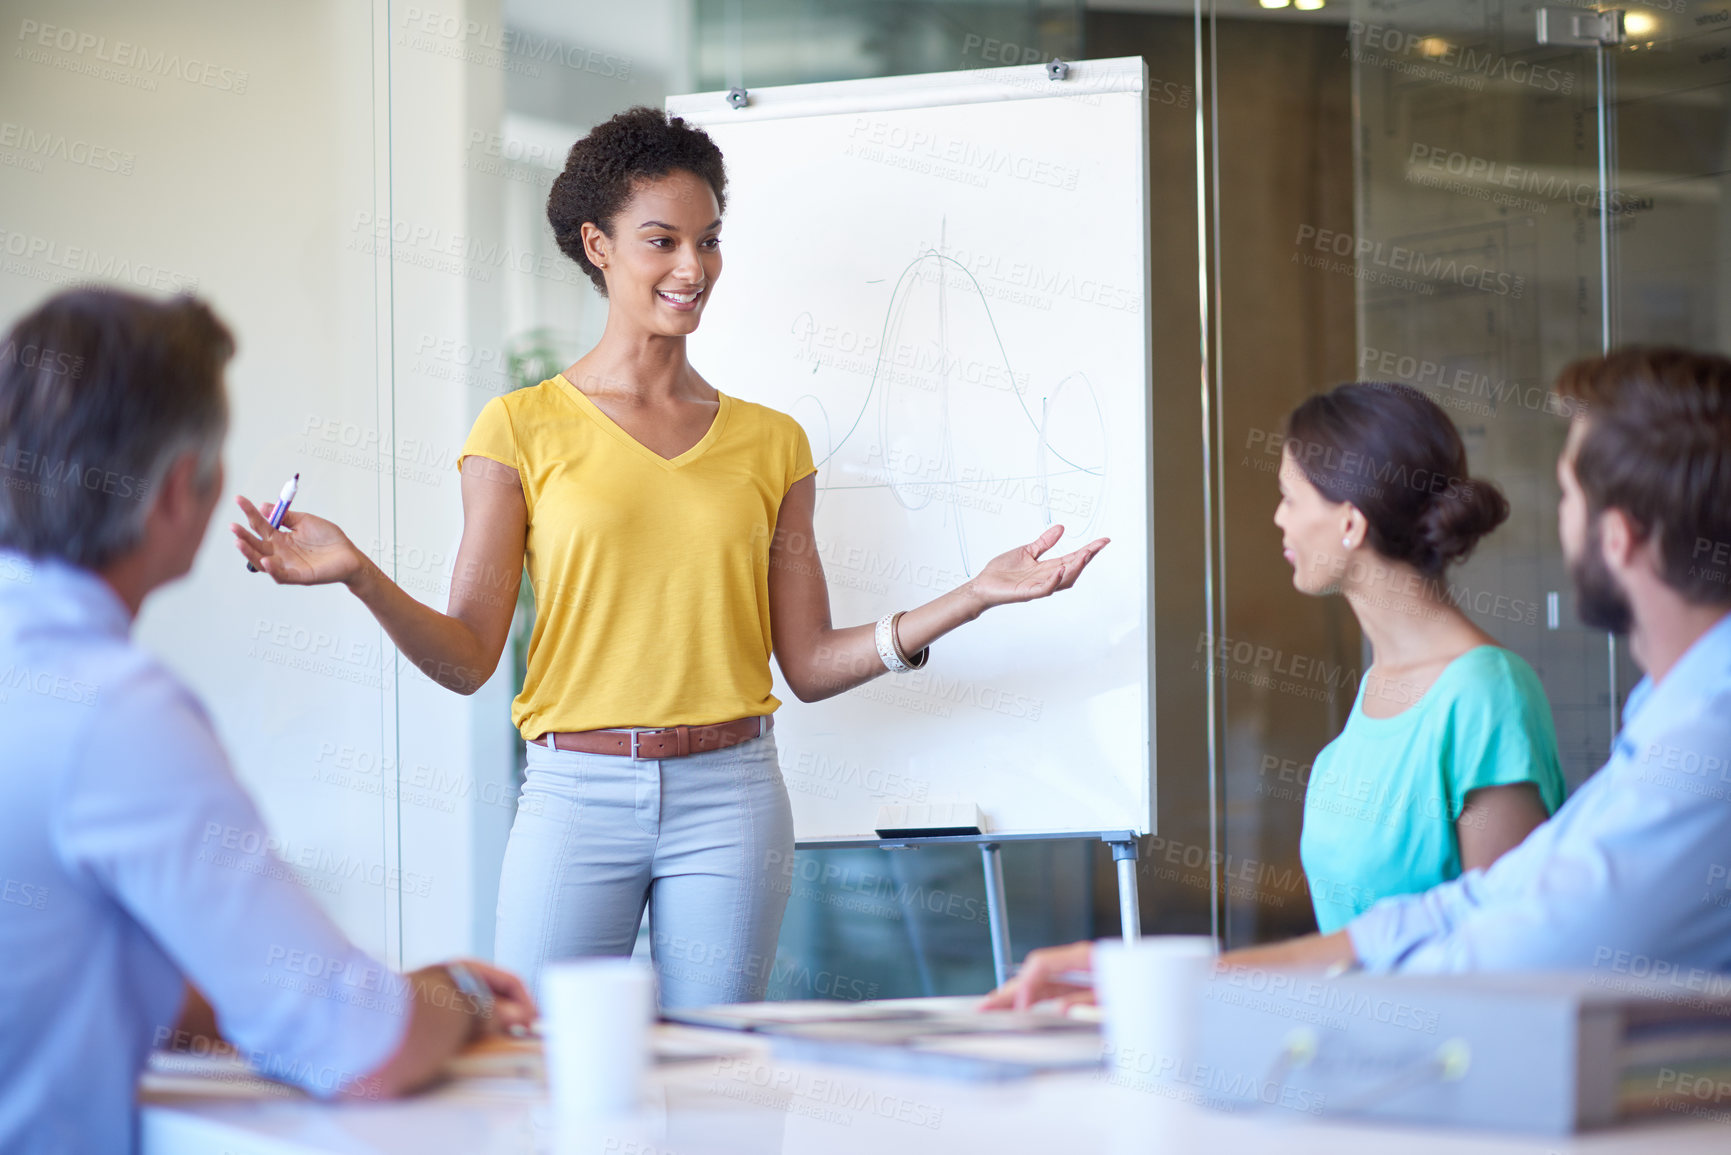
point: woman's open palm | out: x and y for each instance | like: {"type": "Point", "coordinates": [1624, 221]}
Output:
{"type": "Point", "coordinates": [307, 550]}
{"type": "Point", "coordinates": [1020, 576]}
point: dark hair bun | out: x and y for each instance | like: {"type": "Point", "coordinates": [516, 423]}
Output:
{"type": "Point", "coordinates": [1392, 452]}
{"type": "Point", "coordinates": [602, 169]}
{"type": "Point", "coordinates": [1452, 524]}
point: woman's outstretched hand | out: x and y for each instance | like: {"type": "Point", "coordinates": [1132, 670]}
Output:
{"type": "Point", "coordinates": [306, 551]}
{"type": "Point", "coordinates": [1020, 575]}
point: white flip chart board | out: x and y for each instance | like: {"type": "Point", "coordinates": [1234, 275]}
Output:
{"type": "Point", "coordinates": [944, 278]}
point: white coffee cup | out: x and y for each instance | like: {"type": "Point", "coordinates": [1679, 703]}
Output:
{"type": "Point", "coordinates": [1149, 991]}
{"type": "Point", "coordinates": [595, 1021]}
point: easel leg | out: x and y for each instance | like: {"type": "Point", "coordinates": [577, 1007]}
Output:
{"type": "Point", "coordinates": [1000, 919]}
{"type": "Point", "coordinates": [1129, 904]}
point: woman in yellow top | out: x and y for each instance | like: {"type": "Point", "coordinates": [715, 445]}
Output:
{"type": "Point", "coordinates": [667, 532]}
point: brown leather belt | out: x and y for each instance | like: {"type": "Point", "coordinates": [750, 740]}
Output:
{"type": "Point", "coordinates": [666, 742]}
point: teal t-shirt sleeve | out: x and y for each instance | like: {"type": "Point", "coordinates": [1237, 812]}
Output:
{"type": "Point", "coordinates": [1502, 733]}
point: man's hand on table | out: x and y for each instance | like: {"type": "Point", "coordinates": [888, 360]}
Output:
{"type": "Point", "coordinates": [1041, 975]}
{"type": "Point", "coordinates": [444, 1019]}
{"type": "Point", "coordinates": [512, 1010]}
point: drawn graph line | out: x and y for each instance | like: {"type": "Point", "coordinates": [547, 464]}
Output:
{"type": "Point", "coordinates": [919, 493]}
{"type": "Point", "coordinates": [946, 468]}
{"type": "Point", "coordinates": [1045, 441]}
{"type": "Point", "coordinates": [897, 296]}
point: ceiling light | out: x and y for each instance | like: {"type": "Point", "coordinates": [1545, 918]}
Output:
{"type": "Point", "coordinates": [1639, 24]}
{"type": "Point", "coordinates": [1274, 3]}
{"type": "Point", "coordinates": [1307, 5]}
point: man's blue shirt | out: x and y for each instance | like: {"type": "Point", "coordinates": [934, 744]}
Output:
{"type": "Point", "coordinates": [133, 862]}
{"type": "Point", "coordinates": [1630, 877]}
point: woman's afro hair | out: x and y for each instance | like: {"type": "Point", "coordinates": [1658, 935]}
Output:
{"type": "Point", "coordinates": [605, 167]}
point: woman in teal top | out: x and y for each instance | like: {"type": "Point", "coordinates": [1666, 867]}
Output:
{"type": "Point", "coordinates": [1449, 757]}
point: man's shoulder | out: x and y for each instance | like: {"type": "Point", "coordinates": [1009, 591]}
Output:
{"type": "Point", "coordinates": [46, 669]}
{"type": "Point", "coordinates": [1687, 743]}
{"type": "Point", "coordinates": [126, 674]}
{"type": "Point", "coordinates": [119, 707]}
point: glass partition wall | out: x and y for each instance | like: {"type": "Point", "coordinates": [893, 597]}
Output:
{"type": "Point", "coordinates": [1483, 164]}
{"type": "Point", "coordinates": [1483, 205]}
{"type": "Point", "coordinates": [1419, 192]}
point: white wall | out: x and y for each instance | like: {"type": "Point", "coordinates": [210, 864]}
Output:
{"type": "Point", "coordinates": [259, 184]}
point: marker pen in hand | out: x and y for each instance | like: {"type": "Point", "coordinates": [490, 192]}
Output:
{"type": "Point", "coordinates": [282, 503]}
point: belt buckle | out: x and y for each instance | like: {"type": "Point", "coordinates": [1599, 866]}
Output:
{"type": "Point", "coordinates": [634, 736]}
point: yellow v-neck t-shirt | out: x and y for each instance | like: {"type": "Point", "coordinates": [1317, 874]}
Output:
{"type": "Point", "coordinates": [651, 575]}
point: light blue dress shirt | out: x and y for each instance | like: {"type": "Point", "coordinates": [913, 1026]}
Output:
{"type": "Point", "coordinates": [1628, 880]}
{"type": "Point", "coordinates": [132, 861]}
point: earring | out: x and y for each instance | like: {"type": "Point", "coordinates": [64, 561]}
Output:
{"type": "Point", "coordinates": [1346, 542]}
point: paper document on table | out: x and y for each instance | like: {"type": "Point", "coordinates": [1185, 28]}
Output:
{"type": "Point", "coordinates": [769, 1016]}
{"type": "Point", "coordinates": [1049, 1050]}
{"type": "Point", "coordinates": [911, 1031]}
{"type": "Point", "coordinates": [220, 1074]}
{"type": "Point", "coordinates": [949, 1037]}
{"type": "Point", "coordinates": [977, 1055]}
{"type": "Point", "coordinates": [521, 1059]}
{"type": "Point", "coordinates": [500, 1058]}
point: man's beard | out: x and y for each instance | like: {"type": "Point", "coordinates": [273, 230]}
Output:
{"type": "Point", "coordinates": [1599, 601]}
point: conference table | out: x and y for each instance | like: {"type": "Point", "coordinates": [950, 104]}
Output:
{"type": "Point", "coordinates": [724, 1092]}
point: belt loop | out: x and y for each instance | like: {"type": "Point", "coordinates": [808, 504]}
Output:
{"type": "Point", "coordinates": [684, 733]}
{"type": "Point", "coordinates": [549, 737]}
{"type": "Point", "coordinates": [762, 725]}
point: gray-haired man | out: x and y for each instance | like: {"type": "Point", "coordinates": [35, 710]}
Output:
{"type": "Point", "coordinates": [141, 902]}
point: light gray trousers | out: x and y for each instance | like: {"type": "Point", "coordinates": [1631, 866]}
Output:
{"type": "Point", "coordinates": [698, 838]}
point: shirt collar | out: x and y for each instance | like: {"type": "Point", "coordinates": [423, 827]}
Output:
{"type": "Point", "coordinates": [56, 591]}
{"type": "Point", "coordinates": [1703, 671]}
